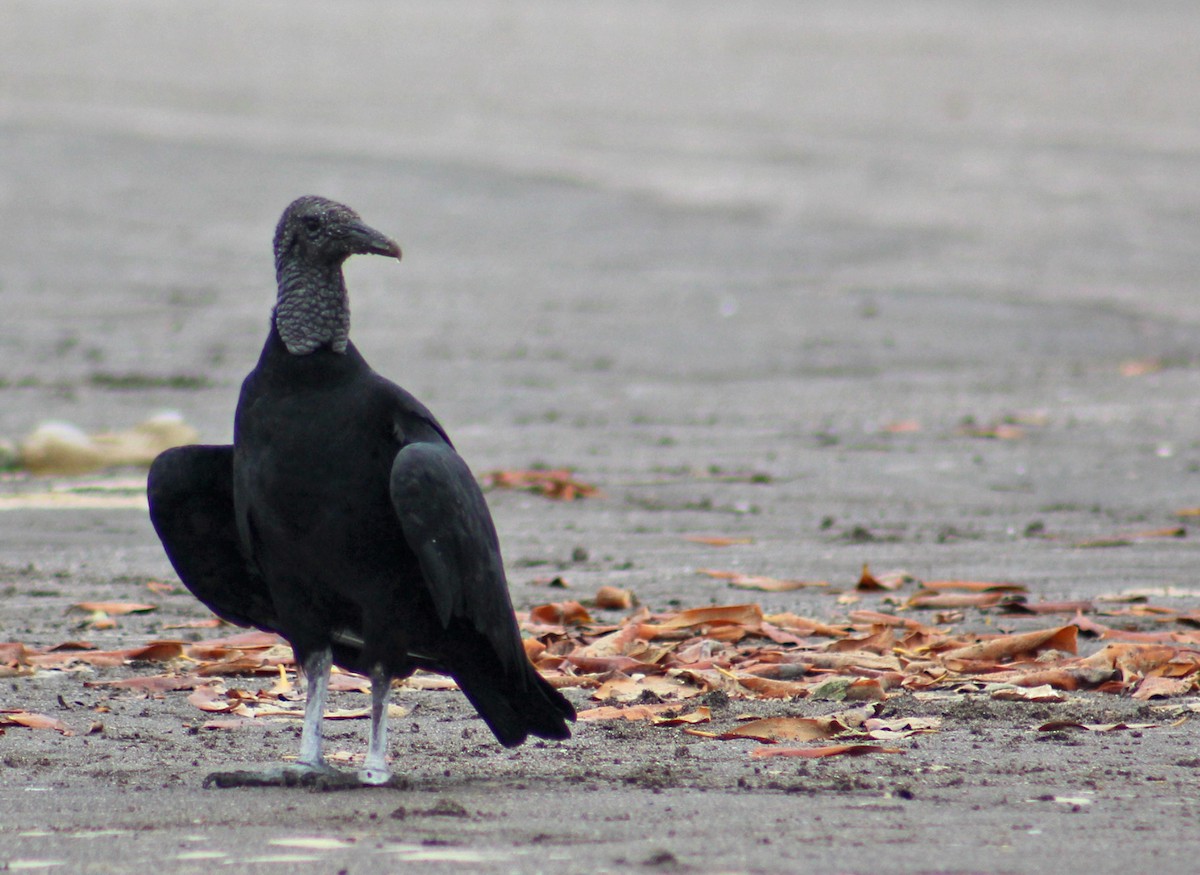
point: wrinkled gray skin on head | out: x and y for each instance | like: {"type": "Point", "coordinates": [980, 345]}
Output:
{"type": "Point", "coordinates": [314, 238]}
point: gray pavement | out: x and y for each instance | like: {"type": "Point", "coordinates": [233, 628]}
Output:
{"type": "Point", "coordinates": [662, 245]}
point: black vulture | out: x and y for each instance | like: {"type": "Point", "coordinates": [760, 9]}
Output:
{"type": "Point", "coordinates": [342, 518]}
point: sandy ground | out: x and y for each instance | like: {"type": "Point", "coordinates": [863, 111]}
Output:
{"type": "Point", "coordinates": [707, 256]}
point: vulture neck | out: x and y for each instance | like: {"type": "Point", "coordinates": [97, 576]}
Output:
{"type": "Point", "coordinates": [313, 309]}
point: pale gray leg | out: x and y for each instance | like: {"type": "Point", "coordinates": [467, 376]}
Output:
{"type": "Point", "coordinates": [375, 770]}
{"type": "Point", "coordinates": [310, 768]}
{"type": "Point", "coordinates": [316, 677]}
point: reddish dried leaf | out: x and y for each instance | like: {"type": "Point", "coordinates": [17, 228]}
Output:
{"type": "Point", "coordinates": [242, 664]}
{"type": "Point", "coordinates": [1112, 634]}
{"type": "Point", "coordinates": [71, 645]}
{"type": "Point", "coordinates": [1004, 431]}
{"type": "Point", "coordinates": [1163, 687]}
{"type": "Point", "coordinates": [701, 715]}
{"type": "Point", "coordinates": [624, 712]}
{"type": "Point", "coordinates": [158, 683]}
{"type": "Point", "coordinates": [156, 651]}
{"type": "Point", "coordinates": [831, 750]}
{"type": "Point", "coordinates": [765, 688]}
{"type": "Point", "coordinates": [771, 730]}
{"type": "Point", "coordinates": [605, 664]}
{"type": "Point", "coordinates": [31, 720]}
{"type": "Point", "coordinates": [14, 653]}
{"type": "Point", "coordinates": [877, 618]}
{"type": "Point", "coordinates": [1012, 646]}
{"type": "Point", "coordinates": [754, 581]}
{"type": "Point", "coordinates": [625, 641]}
{"type": "Point", "coordinates": [930, 598]}
{"type": "Point", "coordinates": [561, 614]}
{"type": "Point", "coordinates": [626, 689]}
{"type": "Point", "coordinates": [888, 580]}
{"type": "Point", "coordinates": [717, 540]}
{"type": "Point", "coordinates": [210, 623]}
{"type": "Point", "coordinates": [901, 727]}
{"type": "Point", "coordinates": [1132, 537]}
{"type": "Point", "coordinates": [803, 626]}
{"type": "Point", "coordinates": [974, 586]}
{"type": "Point", "coordinates": [344, 682]}
{"type": "Point", "coordinates": [881, 640]}
{"type": "Point", "coordinates": [741, 615]}
{"type": "Point", "coordinates": [1042, 693]}
{"type": "Point", "coordinates": [210, 698]}
{"type": "Point", "coordinates": [254, 640]}
{"type": "Point", "coordinates": [557, 484]}
{"type": "Point", "coordinates": [612, 598]}
{"type": "Point", "coordinates": [426, 681]}
{"type": "Point", "coordinates": [114, 609]}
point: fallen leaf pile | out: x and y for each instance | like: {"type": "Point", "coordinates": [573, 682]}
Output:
{"type": "Point", "coordinates": [659, 667]}
{"type": "Point", "coordinates": [738, 650]}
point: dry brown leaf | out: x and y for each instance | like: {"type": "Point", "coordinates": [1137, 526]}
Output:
{"type": "Point", "coordinates": [626, 689]}
{"type": "Point", "coordinates": [213, 699]}
{"type": "Point", "coordinates": [770, 730]}
{"type": "Point", "coordinates": [766, 688]}
{"type": "Point", "coordinates": [1004, 431]}
{"type": "Point", "coordinates": [114, 609]}
{"type": "Point", "coordinates": [155, 651]}
{"type": "Point", "coordinates": [561, 614]}
{"type": "Point", "coordinates": [717, 540]}
{"type": "Point", "coordinates": [158, 683]}
{"type": "Point", "coordinates": [556, 484]}
{"type": "Point", "coordinates": [701, 715]}
{"type": "Point", "coordinates": [900, 727]}
{"type": "Point", "coordinates": [974, 586]}
{"type": "Point", "coordinates": [1043, 693]}
{"type": "Point", "coordinates": [612, 598]}
{"type": "Point", "coordinates": [755, 581]}
{"type": "Point", "coordinates": [831, 750]}
{"type": "Point", "coordinates": [625, 712]}
{"type": "Point", "coordinates": [210, 623]}
{"type": "Point", "coordinates": [803, 626]}
{"type": "Point", "coordinates": [1164, 687]}
{"type": "Point", "coordinates": [1011, 646]}
{"type": "Point", "coordinates": [1133, 537]}
{"type": "Point", "coordinates": [940, 600]}
{"type": "Point", "coordinates": [31, 720]}
{"type": "Point", "coordinates": [888, 580]}
{"type": "Point", "coordinates": [740, 615]}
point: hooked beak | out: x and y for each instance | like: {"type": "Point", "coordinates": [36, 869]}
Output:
{"type": "Point", "coordinates": [365, 240]}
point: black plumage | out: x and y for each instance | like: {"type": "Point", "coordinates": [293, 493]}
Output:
{"type": "Point", "coordinates": [342, 517]}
